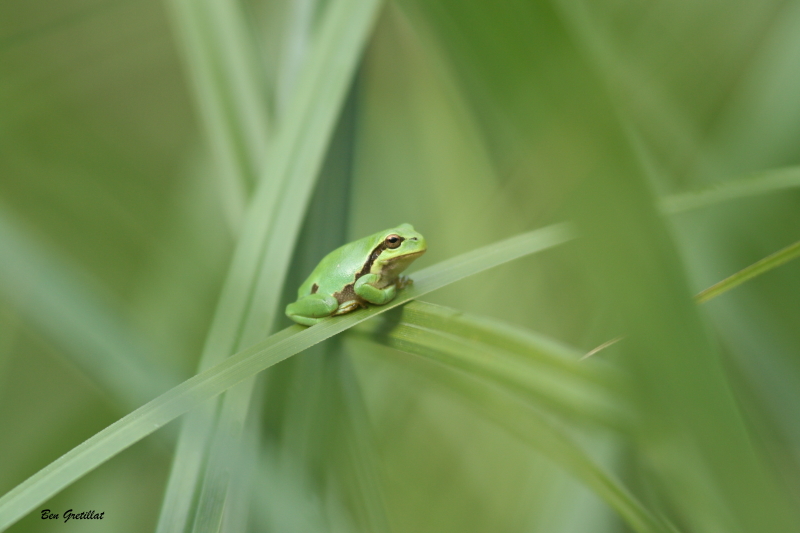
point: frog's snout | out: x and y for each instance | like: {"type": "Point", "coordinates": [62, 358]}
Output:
{"type": "Point", "coordinates": [420, 243]}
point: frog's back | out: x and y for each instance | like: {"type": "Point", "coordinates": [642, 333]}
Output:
{"type": "Point", "coordinates": [336, 269]}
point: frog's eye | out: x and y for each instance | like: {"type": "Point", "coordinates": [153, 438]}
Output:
{"type": "Point", "coordinates": [393, 241]}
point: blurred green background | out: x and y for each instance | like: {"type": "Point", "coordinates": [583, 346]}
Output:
{"type": "Point", "coordinates": [133, 136]}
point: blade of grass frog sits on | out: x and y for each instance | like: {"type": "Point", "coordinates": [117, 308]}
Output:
{"type": "Point", "coordinates": [364, 271]}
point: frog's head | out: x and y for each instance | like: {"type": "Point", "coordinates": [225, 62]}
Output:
{"type": "Point", "coordinates": [399, 247]}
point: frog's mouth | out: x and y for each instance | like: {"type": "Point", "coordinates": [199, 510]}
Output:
{"type": "Point", "coordinates": [404, 259]}
{"type": "Point", "coordinates": [412, 255]}
{"type": "Point", "coordinates": [395, 265]}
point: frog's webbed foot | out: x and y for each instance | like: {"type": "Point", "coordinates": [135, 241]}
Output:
{"type": "Point", "coordinates": [403, 282]}
{"type": "Point", "coordinates": [351, 305]}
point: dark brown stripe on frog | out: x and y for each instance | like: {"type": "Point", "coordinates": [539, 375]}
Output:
{"type": "Point", "coordinates": [372, 257]}
{"type": "Point", "coordinates": [348, 293]}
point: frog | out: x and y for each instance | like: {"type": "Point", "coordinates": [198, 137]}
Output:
{"type": "Point", "coordinates": [366, 271]}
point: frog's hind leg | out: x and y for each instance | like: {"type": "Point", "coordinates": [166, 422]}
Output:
{"type": "Point", "coordinates": [309, 309]}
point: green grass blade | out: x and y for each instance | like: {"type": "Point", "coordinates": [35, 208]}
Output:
{"type": "Point", "coordinates": [563, 387]}
{"type": "Point", "coordinates": [298, 411]}
{"type": "Point", "coordinates": [550, 439]}
{"type": "Point", "coordinates": [467, 264]}
{"type": "Point", "coordinates": [248, 303]}
{"type": "Point", "coordinates": [208, 384]}
{"type": "Point", "coordinates": [238, 504]}
{"type": "Point", "coordinates": [546, 374]}
{"type": "Point", "coordinates": [514, 340]}
{"type": "Point", "coordinates": [761, 183]}
{"type": "Point", "coordinates": [364, 461]}
{"type": "Point", "coordinates": [299, 29]}
{"type": "Point", "coordinates": [219, 50]}
{"type": "Point", "coordinates": [756, 269]}
{"type": "Point", "coordinates": [537, 370]}
{"type": "Point", "coordinates": [284, 503]}
{"type": "Point", "coordinates": [224, 440]}
{"type": "Point", "coordinates": [301, 143]}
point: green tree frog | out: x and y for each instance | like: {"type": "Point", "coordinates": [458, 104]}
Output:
{"type": "Point", "coordinates": [366, 270]}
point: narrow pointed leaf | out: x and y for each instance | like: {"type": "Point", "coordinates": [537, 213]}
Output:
{"type": "Point", "coordinates": [536, 371]}
{"type": "Point", "coordinates": [219, 51]}
{"type": "Point", "coordinates": [762, 183]}
{"type": "Point", "coordinates": [756, 269]}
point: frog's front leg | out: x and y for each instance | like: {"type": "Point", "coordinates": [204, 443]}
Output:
{"type": "Point", "coordinates": [364, 288]}
{"type": "Point", "coordinates": [312, 308]}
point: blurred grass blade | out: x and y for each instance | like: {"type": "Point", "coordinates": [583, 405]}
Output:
{"type": "Point", "coordinates": [237, 509]}
{"type": "Point", "coordinates": [225, 440]}
{"type": "Point", "coordinates": [232, 99]}
{"type": "Point", "coordinates": [470, 263]}
{"type": "Point", "coordinates": [247, 307]}
{"type": "Point", "coordinates": [220, 52]}
{"type": "Point", "coordinates": [602, 347]}
{"type": "Point", "coordinates": [537, 370]}
{"type": "Point", "coordinates": [364, 461]}
{"type": "Point", "coordinates": [206, 385]}
{"type": "Point", "coordinates": [298, 412]}
{"type": "Point", "coordinates": [757, 184]}
{"type": "Point", "coordinates": [756, 269]}
{"type": "Point", "coordinates": [63, 303]}
{"type": "Point", "coordinates": [284, 503]}
{"type": "Point", "coordinates": [550, 439]}
{"type": "Point", "coordinates": [514, 340]}
{"type": "Point", "coordinates": [296, 156]}
{"type": "Point", "coordinates": [300, 416]}
{"type": "Point", "coordinates": [294, 51]}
